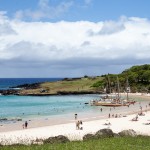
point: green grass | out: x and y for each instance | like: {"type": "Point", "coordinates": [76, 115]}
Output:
{"type": "Point", "coordinates": [83, 84]}
{"type": "Point", "coordinates": [122, 143]}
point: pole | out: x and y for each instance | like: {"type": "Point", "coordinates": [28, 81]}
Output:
{"type": "Point", "coordinates": [118, 88]}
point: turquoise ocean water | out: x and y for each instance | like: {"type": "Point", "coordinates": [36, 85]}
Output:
{"type": "Point", "coordinates": [35, 106]}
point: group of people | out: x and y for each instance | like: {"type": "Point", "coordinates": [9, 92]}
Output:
{"type": "Point", "coordinates": [114, 116]}
{"type": "Point", "coordinates": [78, 123]}
{"type": "Point", "coordinates": [25, 125]}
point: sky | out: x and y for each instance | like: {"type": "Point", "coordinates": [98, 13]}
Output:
{"type": "Point", "coordinates": [72, 38]}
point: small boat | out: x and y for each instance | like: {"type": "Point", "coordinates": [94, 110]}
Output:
{"type": "Point", "coordinates": [129, 101]}
{"type": "Point", "coordinates": [108, 104]}
{"type": "Point", "coordinates": [111, 100]}
{"type": "Point", "coordinates": [132, 102]}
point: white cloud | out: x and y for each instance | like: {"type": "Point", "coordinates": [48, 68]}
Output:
{"type": "Point", "coordinates": [44, 11]}
{"type": "Point", "coordinates": [5, 27]}
{"type": "Point", "coordinates": [68, 46]}
{"type": "Point", "coordinates": [111, 27]}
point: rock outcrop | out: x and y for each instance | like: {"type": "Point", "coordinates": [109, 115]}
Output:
{"type": "Point", "coordinates": [129, 132]}
{"type": "Point", "coordinates": [88, 136]}
{"type": "Point", "coordinates": [56, 139]}
{"type": "Point", "coordinates": [104, 133]}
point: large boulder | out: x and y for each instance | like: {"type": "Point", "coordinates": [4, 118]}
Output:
{"type": "Point", "coordinates": [62, 139]}
{"type": "Point", "coordinates": [57, 139]}
{"type": "Point", "coordinates": [104, 133]}
{"type": "Point", "coordinates": [88, 136]}
{"type": "Point", "coordinates": [129, 132]}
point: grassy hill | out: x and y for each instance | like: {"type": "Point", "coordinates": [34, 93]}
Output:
{"type": "Point", "coordinates": [72, 86]}
{"type": "Point", "coordinates": [138, 78]}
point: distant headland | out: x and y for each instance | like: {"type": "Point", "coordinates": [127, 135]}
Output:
{"type": "Point", "coordinates": [138, 78]}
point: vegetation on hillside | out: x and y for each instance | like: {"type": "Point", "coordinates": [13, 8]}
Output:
{"type": "Point", "coordinates": [136, 77]}
{"type": "Point", "coordinates": [68, 85]}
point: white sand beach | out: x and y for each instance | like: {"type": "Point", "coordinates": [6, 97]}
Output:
{"type": "Point", "coordinates": [69, 129]}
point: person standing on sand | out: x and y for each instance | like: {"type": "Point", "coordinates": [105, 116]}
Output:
{"type": "Point", "coordinates": [26, 125]}
{"type": "Point", "coordinates": [75, 116]}
{"type": "Point", "coordinates": [77, 125]}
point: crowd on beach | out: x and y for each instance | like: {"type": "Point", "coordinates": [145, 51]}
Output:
{"type": "Point", "coordinates": [79, 123]}
{"type": "Point", "coordinates": [137, 119]}
{"type": "Point", "coordinates": [138, 113]}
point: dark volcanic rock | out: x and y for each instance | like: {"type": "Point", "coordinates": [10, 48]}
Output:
{"type": "Point", "coordinates": [16, 91]}
{"type": "Point", "coordinates": [16, 119]}
{"type": "Point", "coordinates": [104, 133]}
{"type": "Point", "coordinates": [3, 119]}
{"type": "Point", "coordinates": [10, 120]}
{"type": "Point", "coordinates": [9, 92]}
{"type": "Point", "coordinates": [129, 132]}
{"type": "Point", "coordinates": [88, 137]}
{"type": "Point", "coordinates": [76, 92]}
{"type": "Point", "coordinates": [28, 86]}
{"type": "Point", "coordinates": [56, 139]}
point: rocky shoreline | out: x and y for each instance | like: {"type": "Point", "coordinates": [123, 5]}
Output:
{"type": "Point", "coordinates": [9, 92]}
{"type": "Point", "coordinates": [13, 119]}
{"type": "Point", "coordinates": [16, 89]}
{"type": "Point", "coordinates": [16, 92]}
{"type": "Point", "coordinates": [28, 86]}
